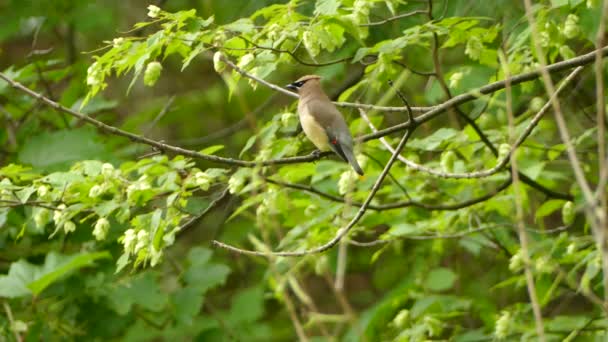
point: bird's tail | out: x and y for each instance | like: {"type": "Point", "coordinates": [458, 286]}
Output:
{"type": "Point", "coordinates": [352, 160]}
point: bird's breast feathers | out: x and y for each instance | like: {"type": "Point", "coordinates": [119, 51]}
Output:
{"type": "Point", "coordinates": [313, 130]}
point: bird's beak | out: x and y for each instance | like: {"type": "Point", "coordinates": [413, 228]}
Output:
{"type": "Point", "coordinates": [291, 86]}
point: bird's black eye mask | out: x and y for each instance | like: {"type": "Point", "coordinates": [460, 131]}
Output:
{"type": "Point", "coordinates": [295, 85]}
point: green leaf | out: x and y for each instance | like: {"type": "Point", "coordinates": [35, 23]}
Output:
{"type": "Point", "coordinates": [25, 278]}
{"type": "Point", "coordinates": [549, 207]}
{"type": "Point", "coordinates": [327, 7]}
{"type": "Point", "coordinates": [243, 25]}
{"type": "Point", "coordinates": [201, 274]}
{"type": "Point", "coordinates": [440, 279]}
{"type": "Point", "coordinates": [212, 149]}
{"type": "Point", "coordinates": [24, 194]}
{"type": "Point", "coordinates": [187, 303]}
{"type": "Point", "coordinates": [57, 150]}
{"type": "Point", "coordinates": [439, 138]}
{"type": "Point", "coordinates": [559, 3]}
{"type": "Point", "coordinates": [247, 306]}
{"type": "Point", "coordinates": [144, 290]}
{"type": "Point", "coordinates": [57, 266]}
{"type": "Point", "coordinates": [248, 145]}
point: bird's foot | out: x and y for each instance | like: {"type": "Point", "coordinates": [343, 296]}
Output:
{"type": "Point", "coordinates": [316, 153]}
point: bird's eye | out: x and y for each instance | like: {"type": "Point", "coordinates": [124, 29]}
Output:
{"type": "Point", "coordinates": [299, 84]}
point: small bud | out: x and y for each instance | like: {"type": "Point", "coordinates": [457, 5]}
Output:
{"type": "Point", "coordinates": [153, 11]}
{"type": "Point", "coordinates": [69, 227]}
{"type": "Point", "coordinates": [566, 52]}
{"type": "Point", "coordinates": [218, 63]}
{"type": "Point", "coordinates": [347, 181]}
{"type": "Point", "coordinates": [568, 213]}
{"type": "Point", "coordinates": [93, 75]}
{"type": "Point", "coordinates": [474, 48]}
{"type": "Point", "coordinates": [544, 39]}
{"type": "Point", "coordinates": [42, 217]}
{"type": "Point", "coordinates": [101, 228]}
{"type": "Point", "coordinates": [107, 169]}
{"type": "Point", "coordinates": [571, 28]}
{"type": "Point", "coordinates": [128, 240]}
{"type": "Point", "coordinates": [401, 319]}
{"type": "Point", "coordinates": [503, 325]}
{"type": "Point", "coordinates": [152, 73]}
{"type": "Point", "coordinates": [142, 240]}
{"type": "Point", "coordinates": [95, 191]}
{"type": "Point", "coordinates": [58, 214]}
{"type": "Point", "coordinates": [42, 190]}
{"type": "Point", "coordinates": [202, 180]}
{"type": "Point", "coordinates": [516, 262]}
{"type": "Point", "coordinates": [503, 150]}
{"type": "Point", "coordinates": [571, 248]}
{"type": "Point", "coordinates": [116, 42]}
{"type": "Point", "coordinates": [455, 79]}
{"type": "Point", "coordinates": [537, 104]}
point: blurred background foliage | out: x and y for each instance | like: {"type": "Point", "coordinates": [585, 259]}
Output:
{"type": "Point", "coordinates": [102, 238]}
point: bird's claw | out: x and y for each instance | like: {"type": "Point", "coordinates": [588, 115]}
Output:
{"type": "Point", "coordinates": [316, 153]}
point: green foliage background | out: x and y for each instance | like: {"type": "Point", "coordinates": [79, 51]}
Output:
{"type": "Point", "coordinates": [104, 238]}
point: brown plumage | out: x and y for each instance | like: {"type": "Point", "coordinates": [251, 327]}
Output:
{"type": "Point", "coordinates": [322, 122]}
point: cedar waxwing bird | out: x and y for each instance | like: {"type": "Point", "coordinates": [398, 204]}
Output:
{"type": "Point", "coordinates": [322, 121]}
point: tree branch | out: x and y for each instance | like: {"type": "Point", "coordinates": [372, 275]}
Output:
{"type": "Point", "coordinates": [343, 231]}
{"type": "Point", "coordinates": [502, 162]}
{"type": "Point", "coordinates": [396, 205]}
{"type": "Point", "coordinates": [475, 94]}
{"type": "Point", "coordinates": [397, 17]}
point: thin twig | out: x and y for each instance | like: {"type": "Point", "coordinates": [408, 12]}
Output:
{"type": "Point", "coordinates": [294, 56]}
{"type": "Point", "coordinates": [519, 213]}
{"type": "Point", "coordinates": [202, 214]}
{"type": "Point", "coordinates": [396, 205]}
{"type": "Point", "coordinates": [162, 113]}
{"type": "Point", "coordinates": [397, 17]}
{"type": "Point", "coordinates": [451, 236]}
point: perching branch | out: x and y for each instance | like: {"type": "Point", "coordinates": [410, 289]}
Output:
{"type": "Point", "coordinates": [343, 231]}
